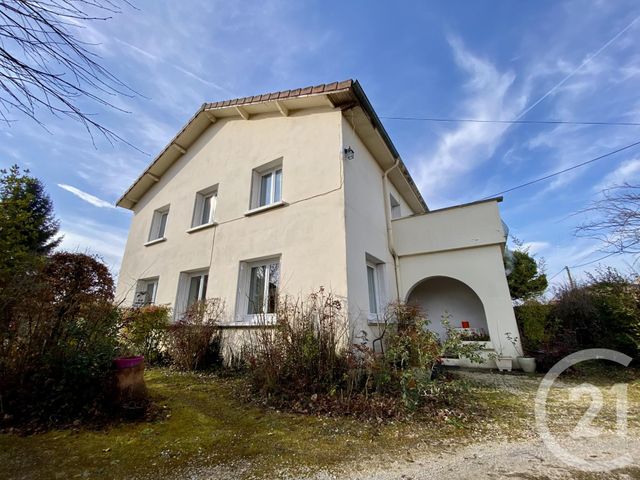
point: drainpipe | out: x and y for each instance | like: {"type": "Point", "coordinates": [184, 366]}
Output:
{"type": "Point", "coordinates": [387, 217]}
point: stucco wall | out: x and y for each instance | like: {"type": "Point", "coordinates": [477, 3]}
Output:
{"type": "Point", "coordinates": [480, 268]}
{"type": "Point", "coordinates": [440, 296]}
{"type": "Point", "coordinates": [366, 229]}
{"type": "Point", "coordinates": [309, 233]}
{"type": "Point", "coordinates": [449, 229]}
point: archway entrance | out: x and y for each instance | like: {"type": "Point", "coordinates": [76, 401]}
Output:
{"type": "Point", "coordinates": [438, 296]}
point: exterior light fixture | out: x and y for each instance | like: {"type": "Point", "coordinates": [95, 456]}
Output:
{"type": "Point", "coordinates": [349, 153]}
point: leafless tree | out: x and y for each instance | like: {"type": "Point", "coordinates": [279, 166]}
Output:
{"type": "Point", "coordinates": [45, 65]}
{"type": "Point", "coordinates": [615, 220]}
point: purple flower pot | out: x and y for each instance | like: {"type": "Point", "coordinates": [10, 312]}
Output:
{"type": "Point", "coordinates": [127, 362]}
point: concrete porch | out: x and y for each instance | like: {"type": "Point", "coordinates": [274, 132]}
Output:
{"type": "Point", "coordinates": [450, 262]}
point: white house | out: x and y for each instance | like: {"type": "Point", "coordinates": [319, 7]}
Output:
{"type": "Point", "coordinates": [289, 191]}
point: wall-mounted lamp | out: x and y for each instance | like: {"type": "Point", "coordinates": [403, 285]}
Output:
{"type": "Point", "coordinates": [349, 153]}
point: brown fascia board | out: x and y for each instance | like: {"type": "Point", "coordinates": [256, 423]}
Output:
{"type": "Point", "coordinates": [123, 199]}
{"type": "Point", "coordinates": [330, 88]}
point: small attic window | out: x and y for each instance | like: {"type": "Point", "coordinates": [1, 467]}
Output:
{"type": "Point", "coordinates": [396, 211]}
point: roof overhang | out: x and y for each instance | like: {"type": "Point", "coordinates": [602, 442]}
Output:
{"type": "Point", "coordinates": [346, 95]}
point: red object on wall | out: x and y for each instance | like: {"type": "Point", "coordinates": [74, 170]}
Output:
{"type": "Point", "coordinates": [465, 324]}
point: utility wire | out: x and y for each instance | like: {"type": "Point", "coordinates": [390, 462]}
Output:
{"type": "Point", "coordinates": [517, 120]}
{"type": "Point", "coordinates": [531, 122]}
{"type": "Point", "coordinates": [594, 261]}
{"type": "Point", "coordinates": [583, 264]}
{"type": "Point", "coordinates": [618, 150]}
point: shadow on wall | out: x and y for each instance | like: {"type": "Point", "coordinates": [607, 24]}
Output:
{"type": "Point", "coordinates": [440, 295]}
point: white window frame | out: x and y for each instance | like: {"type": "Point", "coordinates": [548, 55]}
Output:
{"type": "Point", "coordinates": [395, 207]}
{"type": "Point", "coordinates": [244, 287]}
{"type": "Point", "coordinates": [184, 285]}
{"type": "Point", "coordinates": [142, 287]}
{"type": "Point", "coordinates": [271, 168]}
{"type": "Point", "coordinates": [198, 209]}
{"type": "Point", "coordinates": [157, 230]}
{"type": "Point", "coordinates": [379, 287]}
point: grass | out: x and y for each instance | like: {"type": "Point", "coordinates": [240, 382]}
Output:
{"type": "Point", "coordinates": [203, 426]}
{"type": "Point", "coordinates": [203, 423]}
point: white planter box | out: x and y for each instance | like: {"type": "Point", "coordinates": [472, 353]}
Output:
{"type": "Point", "coordinates": [527, 364]}
{"type": "Point", "coordinates": [504, 364]}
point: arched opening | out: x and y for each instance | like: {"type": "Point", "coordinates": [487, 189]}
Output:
{"type": "Point", "coordinates": [438, 296]}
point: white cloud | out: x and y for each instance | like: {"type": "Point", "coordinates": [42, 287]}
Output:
{"type": "Point", "coordinates": [88, 236]}
{"type": "Point", "coordinates": [627, 171]}
{"type": "Point", "coordinates": [489, 93]}
{"type": "Point", "coordinates": [172, 64]}
{"type": "Point", "coordinates": [87, 197]}
{"type": "Point", "coordinates": [535, 247]}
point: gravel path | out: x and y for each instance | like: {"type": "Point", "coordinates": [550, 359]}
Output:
{"type": "Point", "coordinates": [528, 459]}
{"type": "Point", "coordinates": [524, 460]}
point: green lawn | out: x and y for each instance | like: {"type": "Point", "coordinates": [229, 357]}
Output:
{"type": "Point", "coordinates": [205, 424]}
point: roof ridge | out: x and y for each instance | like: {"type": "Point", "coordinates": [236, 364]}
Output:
{"type": "Point", "coordinates": [282, 94]}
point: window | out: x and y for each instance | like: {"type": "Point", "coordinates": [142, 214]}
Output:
{"type": "Point", "coordinates": [271, 188]}
{"type": "Point", "coordinates": [258, 293]}
{"type": "Point", "coordinates": [375, 286]}
{"type": "Point", "coordinates": [192, 288]}
{"type": "Point", "coordinates": [197, 288]}
{"type": "Point", "coordinates": [267, 185]}
{"type": "Point", "coordinates": [146, 290]}
{"type": "Point", "coordinates": [205, 207]}
{"type": "Point", "coordinates": [395, 207]}
{"type": "Point", "coordinates": [159, 223]}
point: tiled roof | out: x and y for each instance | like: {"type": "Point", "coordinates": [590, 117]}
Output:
{"type": "Point", "coordinates": [284, 94]}
{"type": "Point", "coordinates": [345, 94]}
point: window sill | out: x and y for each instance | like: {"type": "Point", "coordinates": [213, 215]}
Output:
{"type": "Point", "coordinates": [246, 325]}
{"type": "Point", "coordinates": [202, 227]}
{"type": "Point", "coordinates": [153, 242]}
{"type": "Point", "coordinates": [375, 318]}
{"type": "Point", "coordinates": [254, 211]}
{"type": "Point", "coordinates": [252, 321]}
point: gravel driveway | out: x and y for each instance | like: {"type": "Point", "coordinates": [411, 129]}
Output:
{"type": "Point", "coordinates": [520, 460]}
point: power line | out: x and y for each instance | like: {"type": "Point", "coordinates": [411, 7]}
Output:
{"type": "Point", "coordinates": [626, 147]}
{"type": "Point", "coordinates": [583, 264]}
{"type": "Point", "coordinates": [594, 261]}
{"type": "Point", "coordinates": [556, 274]}
{"type": "Point", "coordinates": [525, 122]}
{"type": "Point", "coordinates": [517, 120]}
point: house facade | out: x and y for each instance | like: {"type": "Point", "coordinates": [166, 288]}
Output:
{"type": "Point", "coordinates": [285, 192]}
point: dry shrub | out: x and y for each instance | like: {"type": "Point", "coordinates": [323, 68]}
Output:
{"type": "Point", "coordinates": [194, 341]}
{"type": "Point", "coordinates": [305, 350]}
{"type": "Point", "coordinates": [306, 361]}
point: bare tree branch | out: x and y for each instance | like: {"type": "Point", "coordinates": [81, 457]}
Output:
{"type": "Point", "coordinates": [45, 65]}
{"type": "Point", "coordinates": [615, 220]}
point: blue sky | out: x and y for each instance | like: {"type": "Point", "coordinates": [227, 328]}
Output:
{"type": "Point", "coordinates": [456, 59]}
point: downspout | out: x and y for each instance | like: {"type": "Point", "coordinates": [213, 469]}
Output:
{"type": "Point", "coordinates": [387, 217]}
